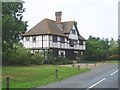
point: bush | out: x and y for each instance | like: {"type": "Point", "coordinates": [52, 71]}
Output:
{"type": "Point", "coordinates": [62, 60]}
{"type": "Point", "coordinates": [51, 59]}
{"type": "Point", "coordinates": [114, 57]}
{"type": "Point", "coordinates": [19, 56]}
{"type": "Point", "coordinates": [24, 57]}
{"type": "Point", "coordinates": [37, 58]}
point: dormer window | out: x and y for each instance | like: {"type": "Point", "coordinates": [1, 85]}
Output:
{"type": "Point", "coordinates": [73, 31]}
{"type": "Point", "coordinates": [34, 39]}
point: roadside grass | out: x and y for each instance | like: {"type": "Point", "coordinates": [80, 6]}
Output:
{"type": "Point", "coordinates": [36, 75]}
{"type": "Point", "coordinates": [112, 61]}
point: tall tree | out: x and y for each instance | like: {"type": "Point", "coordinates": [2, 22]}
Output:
{"type": "Point", "coordinates": [96, 49]}
{"type": "Point", "coordinates": [12, 24]}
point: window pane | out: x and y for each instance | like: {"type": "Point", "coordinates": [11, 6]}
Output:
{"type": "Point", "coordinates": [54, 38]}
{"type": "Point", "coordinates": [71, 42]}
{"type": "Point", "coordinates": [80, 42]}
{"type": "Point", "coordinates": [34, 38]}
{"type": "Point", "coordinates": [27, 38]}
{"type": "Point", "coordinates": [62, 39]}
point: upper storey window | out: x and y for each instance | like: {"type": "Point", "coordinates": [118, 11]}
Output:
{"type": "Point", "coordinates": [54, 38]}
{"type": "Point", "coordinates": [27, 38]}
{"type": "Point", "coordinates": [73, 31]}
{"type": "Point", "coordinates": [34, 39]}
{"type": "Point", "coordinates": [71, 43]}
{"type": "Point", "coordinates": [62, 39]}
{"type": "Point", "coordinates": [80, 42]}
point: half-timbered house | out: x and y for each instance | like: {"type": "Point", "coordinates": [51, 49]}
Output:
{"type": "Point", "coordinates": [61, 38]}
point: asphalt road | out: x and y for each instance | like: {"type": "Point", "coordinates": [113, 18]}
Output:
{"type": "Point", "coordinates": [105, 76]}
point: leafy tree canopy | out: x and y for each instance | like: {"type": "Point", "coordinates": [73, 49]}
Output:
{"type": "Point", "coordinates": [97, 49]}
{"type": "Point", "coordinates": [12, 24]}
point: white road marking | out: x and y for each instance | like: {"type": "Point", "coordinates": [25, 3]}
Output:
{"type": "Point", "coordinates": [114, 72]}
{"type": "Point", "coordinates": [96, 83]}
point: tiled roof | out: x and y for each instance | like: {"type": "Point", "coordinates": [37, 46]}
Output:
{"type": "Point", "coordinates": [47, 26]}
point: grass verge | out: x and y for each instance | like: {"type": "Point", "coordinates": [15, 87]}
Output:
{"type": "Point", "coordinates": [37, 75]}
{"type": "Point", "coordinates": [112, 61]}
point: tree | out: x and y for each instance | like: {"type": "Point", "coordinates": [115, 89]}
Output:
{"type": "Point", "coordinates": [96, 49]}
{"type": "Point", "coordinates": [113, 48]}
{"type": "Point", "coordinates": [12, 24]}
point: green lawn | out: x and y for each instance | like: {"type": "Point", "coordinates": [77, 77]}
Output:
{"type": "Point", "coordinates": [37, 75]}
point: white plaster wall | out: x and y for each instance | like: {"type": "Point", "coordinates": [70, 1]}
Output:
{"type": "Point", "coordinates": [73, 36]}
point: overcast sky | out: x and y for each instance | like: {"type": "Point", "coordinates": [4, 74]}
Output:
{"type": "Point", "coordinates": [98, 18]}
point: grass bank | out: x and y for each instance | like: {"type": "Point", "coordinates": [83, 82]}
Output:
{"type": "Point", "coordinates": [37, 75]}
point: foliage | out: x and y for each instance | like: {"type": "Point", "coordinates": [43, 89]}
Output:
{"type": "Point", "coordinates": [62, 60]}
{"type": "Point", "coordinates": [114, 57]}
{"type": "Point", "coordinates": [37, 59]}
{"type": "Point", "coordinates": [12, 26]}
{"type": "Point", "coordinates": [23, 56]}
{"type": "Point", "coordinates": [50, 57]}
{"type": "Point", "coordinates": [20, 56]}
{"type": "Point", "coordinates": [113, 47]}
{"type": "Point", "coordinates": [100, 49]}
{"type": "Point", "coordinates": [97, 49]}
{"type": "Point", "coordinates": [58, 61]}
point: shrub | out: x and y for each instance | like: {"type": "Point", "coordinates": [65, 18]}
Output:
{"type": "Point", "coordinates": [37, 58]}
{"type": "Point", "coordinates": [50, 58]}
{"type": "Point", "coordinates": [24, 57]}
{"type": "Point", "coordinates": [114, 57]}
{"type": "Point", "coordinates": [19, 56]}
{"type": "Point", "coordinates": [62, 60]}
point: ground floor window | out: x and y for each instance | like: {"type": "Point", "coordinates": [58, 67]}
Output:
{"type": "Point", "coordinates": [61, 53]}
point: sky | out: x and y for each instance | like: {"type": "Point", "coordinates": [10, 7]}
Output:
{"type": "Point", "coordinates": [98, 18]}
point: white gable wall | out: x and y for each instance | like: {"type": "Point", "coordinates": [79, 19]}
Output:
{"type": "Point", "coordinates": [73, 33]}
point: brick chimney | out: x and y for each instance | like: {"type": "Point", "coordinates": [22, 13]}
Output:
{"type": "Point", "coordinates": [58, 17]}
